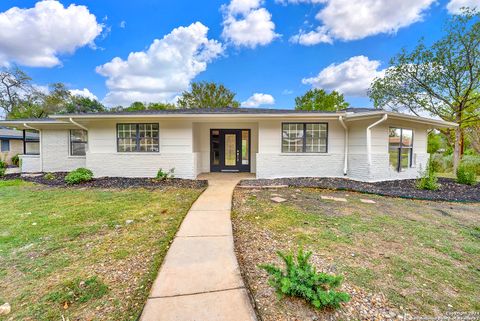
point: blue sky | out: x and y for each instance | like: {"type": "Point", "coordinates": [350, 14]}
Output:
{"type": "Point", "coordinates": [277, 49]}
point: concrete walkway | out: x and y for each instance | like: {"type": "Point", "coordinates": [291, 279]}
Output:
{"type": "Point", "coordinates": [200, 279]}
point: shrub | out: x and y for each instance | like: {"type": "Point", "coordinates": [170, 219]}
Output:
{"type": "Point", "coordinates": [2, 171]}
{"type": "Point", "coordinates": [162, 175]}
{"type": "Point", "coordinates": [78, 176]}
{"type": "Point", "coordinates": [49, 176]}
{"type": "Point", "coordinates": [16, 160]}
{"type": "Point", "coordinates": [3, 164]}
{"type": "Point", "coordinates": [300, 279]}
{"type": "Point", "coordinates": [428, 179]}
{"type": "Point", "coordinates": [466, 174]}
{"type": "Point", "coordinates": [472, 161]}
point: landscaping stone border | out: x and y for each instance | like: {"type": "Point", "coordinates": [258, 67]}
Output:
{"type": "Point", "coordinates": [109, 182]}
{"type": "Point", "coordinates": [449, 189]}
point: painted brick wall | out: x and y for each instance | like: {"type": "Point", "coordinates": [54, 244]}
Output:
{"type": "Point", "coordinates": [55, 152]}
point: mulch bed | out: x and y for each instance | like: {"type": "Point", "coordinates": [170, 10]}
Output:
{"type": "Point", "coordinates": [449, 189]}
{"type": "Point", "coordinates": [111, 182]}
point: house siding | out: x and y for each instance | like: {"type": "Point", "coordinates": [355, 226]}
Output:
{"type": "Point", "coordinates": [16, 147]}
{"type": "Point", "coordinates": [55, 152]}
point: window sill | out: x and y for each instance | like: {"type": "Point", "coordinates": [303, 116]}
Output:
{"type": "Point", "coordinates": [75, 157]}
{"type": "Point", "coordinates": [137, 153]}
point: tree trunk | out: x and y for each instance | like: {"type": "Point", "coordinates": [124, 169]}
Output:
{"type": "Point", "coordinates": [462, 142]}
{"type": "Point", "coordinates": [456, 149]}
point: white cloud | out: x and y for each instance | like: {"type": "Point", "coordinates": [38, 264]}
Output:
{"type": "Point", "coordinates": [247, 24]}
{"type": "Point", "coordinates": [258, 99]}
{"type": "Point", "coordinates": [351, 77]}
{"type": "Point", "coordinates": [123, 24]}
{"type": "Point", "coordinates": [455, 6]}
{"type": "Point", "coordinates": [162, 71]}
{"type": "Point", "coordinates": [351, 20]}
{"type": "Point", "coordinates": [37, 36]}
{"type": "Point", "coordinates": [84, 93]}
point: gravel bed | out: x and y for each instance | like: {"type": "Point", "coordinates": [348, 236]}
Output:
{"type": "Point", "coordinates": [110, 182]}
{"type": "Point", "coordinates": [449, 189]}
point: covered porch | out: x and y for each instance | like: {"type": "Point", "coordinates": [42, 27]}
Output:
{"type": "Point", "coordinates": [225, 146]}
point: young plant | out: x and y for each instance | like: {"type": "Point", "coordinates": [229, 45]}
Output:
{"type": "Point", "coordinates": [2, 171]}
{"type": "Point", "coordinates": [16, 160]}
{"type": "Point", "coordinates": [79, 175]}
{"type": "Point", "coordinates": [466, 175]}
{"type": "Point", "coordinates": [49, 176]}
{"type": "Point", "coordinates": [300, 279]}
{"type": "Point", "coordinates": [428, 179]}
{"type": "Point", "coordinates": [162, 175]}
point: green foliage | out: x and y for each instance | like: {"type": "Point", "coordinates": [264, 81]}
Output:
{"type": "Point", "coordinates": [81, 104]}
{"type": "Point", "coordinates": [2, 171]}
{"type": "Point", "coordinates": [318, 99]}
{"type": "Point", "coordinates": [207, 95]}
{"type": "Point", "coordinates": [162, 175]}
{"type": "Point", "coordinates": [300, 279]}
{"type": "Point", "coordinates": [3, 164]}
{"type": "Point", "coordinates": [49, 176]}
{"type": "Point", "coordinates": [78, 291]}
{"type": "Point", "coordinates": [435, 142]}
{"type": "Point", "coordinates": [428, 179]}
{"type": "Point", "coordinates": [466, 175]}
{"type": "Point", "coordinates": [79, 175]}
{"type": "Point", "coordinates": [16, 160]}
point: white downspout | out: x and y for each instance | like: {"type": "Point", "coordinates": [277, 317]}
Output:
{"type": "Point", "coordinates": [369, 137]}
{"type": "Point", "coordinates": [77, 124]}
{"type": "Point", "coordinates": [39, 145]}
{"type": "Point", "coordinates": [345, 163]}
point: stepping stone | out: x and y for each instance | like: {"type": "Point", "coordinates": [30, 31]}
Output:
{"type": "Point", "coordinates": [366, 201]}
{"type": "Point", "coordinates": [331, 198]}
{"type": "Point", "coordinates": [278, 199]}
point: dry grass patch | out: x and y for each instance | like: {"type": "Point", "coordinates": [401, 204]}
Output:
{"type": "Point", "coordinates": [83, 254]}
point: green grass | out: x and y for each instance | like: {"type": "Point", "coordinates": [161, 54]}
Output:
{"type": "Point", "coordinates": [422, 255]}
{"type": "Point", "coordinates": [70, 252]}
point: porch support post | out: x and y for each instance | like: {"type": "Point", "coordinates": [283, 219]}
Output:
{"type": "Point", "coordinates": [24, 142]}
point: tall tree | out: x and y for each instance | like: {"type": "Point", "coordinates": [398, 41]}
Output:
{"type": "Point", "coordinates": [80, 104]}
{"type": "Point", "coordinates": [318, 99]}
{"type": "Point", "coordinates": [207, 95]}
{"type": "Point", "coordinates": [441, 79]}
{"type": "Point", "coordinates": [14, 85]}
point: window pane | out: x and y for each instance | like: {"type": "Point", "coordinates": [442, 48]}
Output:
{"type": "Point", "coordinates": [407, 138]}
{"type": "Point", "coordinates": [394, 137]}
{"type": "Point", "coordinates": [230, 150]}
{"type": "Point", "coordinates": [405, 159]}
{"type": "Point", "coordinates": [216, 147]}
{"type": "Point", "coordinates": [245, 145]}
{"type": "Point", "coordinates": [5, 145]}
{"type": "Point", "coordinates": [316, 138]}
{"type": "Point", "coordinates": [148, 134]}
{"type": "Point", "coordinates": [292, 138]}
{"type": "Point", "coordinates": [127, 137]}
{"type": "Point", "coordinates": [78, 142]}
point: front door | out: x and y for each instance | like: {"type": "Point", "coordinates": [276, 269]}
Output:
{"type": "Point", "coordinates": [230, 150]}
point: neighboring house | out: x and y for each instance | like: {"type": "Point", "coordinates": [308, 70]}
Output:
{"type": "Point", "coordinates": [11, 143]}
{"type": "Point", "coordinates": [361, 144]}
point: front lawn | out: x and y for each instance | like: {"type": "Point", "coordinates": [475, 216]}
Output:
{"type": "Point", "coordinates": [424, 256]}
{"type": "Point", "coordinates": [83, 254]}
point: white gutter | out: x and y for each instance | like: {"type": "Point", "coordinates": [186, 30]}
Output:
{"type": "Point", "coordinates": [369, 137]}
{"type": "Point", "coordinates": [345, 163]}
{"type": "Point", "coordinates": [77, 124]}
{"type": "Point", "coordinates": [40, 141]}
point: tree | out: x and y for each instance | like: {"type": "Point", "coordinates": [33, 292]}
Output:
{"type": "Point", "coordinates": [160, 106]}
{"type": "Point", "coordinates": [441, 79]}
{"type": "Point", "coordinates": [136, 106]}
{"type": "Point", "coordinates": [14, 84]}
{"type": "Point", "coordinates": [207, 95]}
{"type": "Point", "coordinates": [318, 99]}
{"type": "Point", "coordinates": [81, 104]}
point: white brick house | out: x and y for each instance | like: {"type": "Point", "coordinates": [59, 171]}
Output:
{"type": "Point", "coordinates": [361, 144]}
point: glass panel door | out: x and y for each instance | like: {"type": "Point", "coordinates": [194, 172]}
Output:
{"type": "Point", "coordinates": [230, 150]}
{"type": "Point", "coordinates": [245, 147]}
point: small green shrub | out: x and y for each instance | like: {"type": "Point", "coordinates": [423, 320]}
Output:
{"type": "Point", "coordinates": [2, 171]}
{"type": "Point", "coordinates": [49, 176]}
{"type": "Point", "coordinates": [300, 279]}
{"type": "Point", "coordinates": [472, 161]}
{"type": "Point", "coordinates": [3, 164]}
{"type": "Point", "coordinates": [79, 291]}
{"type": "Point", "coordinates": [79, 175]}
{"type": "Point", "coordinates": [466, 174]}
{"type": "Point", "coordinates": [162, 175]}
{"type": "Point", "coordinates": [16, 160]}
{"type": "Point", "coordinates": [428, 179]}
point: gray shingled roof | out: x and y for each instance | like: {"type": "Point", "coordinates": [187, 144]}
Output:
{"type": "Point", "coordinates": [226, 110]}
{"type": "Point", "coordinates": [8, 133]}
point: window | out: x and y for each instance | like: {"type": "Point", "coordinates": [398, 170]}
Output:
{"type": "Point", "coordinates": [5, 145]}
{"type": "Point", "coordinates": [400, 146]}
{"type": "Point", "coordinates": [304, 137]}
{"type": "Point", "coordinates": [78, 142]}
{"type": "Point", "coordinates": [137, 138]}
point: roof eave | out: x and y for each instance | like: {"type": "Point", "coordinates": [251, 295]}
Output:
{"type": "Point", "coordinates": [393, 115]}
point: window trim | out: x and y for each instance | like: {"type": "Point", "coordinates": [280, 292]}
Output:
{"type": "Point", "coordinates": [7, 143]}
{"type": "Point", "coordinates": [304, 139]}
{"type": "Point", "coordinates": [399, 149]}
{"type": "Point", "coordinates": [137, 138]}
{"type": "Point", "coordinates": [70, 144]}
